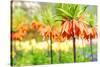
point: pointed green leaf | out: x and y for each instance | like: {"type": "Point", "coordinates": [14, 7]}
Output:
{"type": "Point", "coordinates": [65, 12]}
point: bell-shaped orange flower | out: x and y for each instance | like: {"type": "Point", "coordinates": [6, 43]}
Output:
{"type": "Point", "coordinates": [76, 27]}
{"type": "Point", "coordinates": [23, 30]}
{"type": "Point", "coordinates": [84, 31]}
{"type": "Point", "coordinates": [45, 31]}
{"type": "Point", "coordinates": [70, 28]}
{"type": "Point", "coordinates": [36, 25]}
{"type": "Point", "coordinates": [93, 33]}
{"type": "Point", "coordinates": [66, 30]}
{"type": "Point", "coordinates": [15, 36]}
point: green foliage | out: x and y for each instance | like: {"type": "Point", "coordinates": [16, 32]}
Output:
{"type": "Point", "coordinates": [47, 15]}
{"type": "Point", "coordinates": [35, 57]}
{"type": "Point", "coordinates": [90, 18]}
{"type": "Point", "coordinates": [71, 10]}
{"type": "Point", "coordinates": [18, 14]}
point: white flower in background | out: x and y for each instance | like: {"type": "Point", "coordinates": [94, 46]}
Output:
{"type": "Point", "coordinates": [79, 43]}
{"type": "Point", "coordinates": [16, 4]}
{"type": "Point", "coordinates": [33, 42]}
{"type": "Point", "coordinates": [56, 46]}
{"type": "Point", "coordinates": [27, 42]}
{"type": "Point", "coordinates": [64, 47]}
{"type": "Point", "coordinates": [25, 46]}
{"type": "Point", "coordinates": [30, 7]}
{"type": "Point", "coordinates": [42, 45]}
{"type": "Point", "coordinates": [33, 8]}
{"type": "Point", "coordinates": [18, 45]}
{"type": "Point", "coordinates": [17, 42]}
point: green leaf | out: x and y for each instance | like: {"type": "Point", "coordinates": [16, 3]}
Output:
{"type": "Point", "coordinates": [65, 12]}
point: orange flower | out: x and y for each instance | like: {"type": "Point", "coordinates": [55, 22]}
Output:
{"type": "Point", "coordinates": [76, 28]}
{"type": "Point", "coordinates": [23, 30]}
{"type": "Point", "coordinates": [70, 28]}
{"type": "Point", "coordinates": [84, 31]}
{"type": "Point", "coordinates": [93, 32]}
{"type": "Point", "coordinates": [45, 31]}
{"type": "Point", "coordinates": [66, 30]}
{"type": "Point", "coordinates": [15, 36]}
{"type": "Point", "coordinates": [36, 25]}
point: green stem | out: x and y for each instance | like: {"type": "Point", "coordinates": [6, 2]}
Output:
{"type": "Point", "coordinates": [51, 50]}
{"type": "Point", "coordinates": [74, 49]}
{"type": "Point", "coordinates": [59, 53]}
{"type": "Point", "coordinates": [48, 51]}
{"type": "Point", "coordinates": [91, 47]}
{"type": "Point", "coordinates": [83, 50]}
{"type": "Point", "coordinates": [59, 56]}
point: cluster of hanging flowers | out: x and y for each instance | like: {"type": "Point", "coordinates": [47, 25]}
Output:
{"type": "Point", "coordinates": [75, 28]}
{"type": "Point", "coordinates": [21, 33]}
{"type": "Point", "coordinates": [47, 31]}
{"type": "Point", "coordinates": [69, 29]}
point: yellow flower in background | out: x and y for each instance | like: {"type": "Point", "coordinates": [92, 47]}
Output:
{"type": "Point", "coordinates": [25, 45]}
{"type": "Point", "coordinates": [13, 54]}
{"type": "Point", "coordinates": [18, 45]}
{"type": "Point", "coordinates": [56, 46]}
{"type": "Point", "coordinates": [29, 45]}
{"type": "Point", "coordinates": [42, 45]}
{"type": "Point", "coordinates": [64, 47]}
{"type": "Point", "coordinates": [33, 43]}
